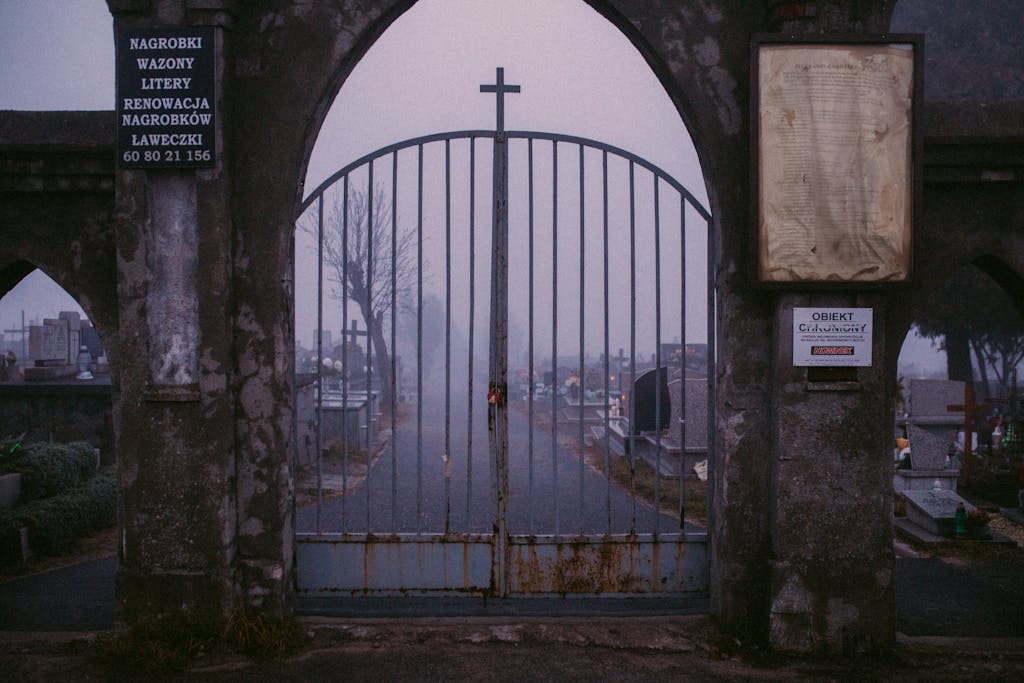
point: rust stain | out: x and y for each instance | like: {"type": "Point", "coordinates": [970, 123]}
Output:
{"type": "Point", "coordinates": [657, 582]}
{"type": "Point", "coordinates": [579, 567]}
{"type": "Point", "coordinates": [367, 567]}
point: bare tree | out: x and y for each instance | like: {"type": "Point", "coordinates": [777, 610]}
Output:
{"type": "Point", "coordinates": [372, 262]}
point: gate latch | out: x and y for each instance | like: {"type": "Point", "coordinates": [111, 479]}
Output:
{"type": "Point", "coordinates": [494, 396]}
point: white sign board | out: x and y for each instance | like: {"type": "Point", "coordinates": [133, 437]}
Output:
{"type": "Point", "coordinates": [832, 336]}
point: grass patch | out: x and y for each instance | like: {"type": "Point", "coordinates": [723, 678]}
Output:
{"type": "Point", "coordinates": [264, 637]}
{"type": "Point", "coordinates": [168, 643]}
{"type": "Point", "coordinates": [173, 643]}
{"type": "Point", "coordinates": [639, 478]}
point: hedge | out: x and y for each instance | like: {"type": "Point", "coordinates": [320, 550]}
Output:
{"type": "Point", "coordinates": [50, 469]}
{"type": "Point", "coordinates": [55, 523]}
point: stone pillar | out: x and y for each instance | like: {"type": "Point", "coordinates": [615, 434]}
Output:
{"type": "Point", "coordinates": [175, 442]}
{"type": "Point", "coordinates": [832, 563]}
{"type": "Point", "coordinates": [832, 566]}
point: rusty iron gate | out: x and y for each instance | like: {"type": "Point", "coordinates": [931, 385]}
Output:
{"type": "Point", "coordinates": [425, 466]}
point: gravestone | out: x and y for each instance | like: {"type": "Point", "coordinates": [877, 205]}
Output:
{"type": "Point", "coordinates": [650, 407]}
{"type": "Point", "coordinates": [346, 418]}
{"type": "Point", "coordinates": [928, 451]}
{"type": "Point", "coordinates": [74, 324]}
{"type": "Point", "coordinates": [929, 400]}
{"type": "Point", "coordinates": [48, 342]}
{"type": "Point", "coordinates": [695, 394]}
{"type": "Point", "coordinates": [931, 428]}
{"type": "Point", "coordinates": [54, 347]}
{"type": "Point", "coordinates": [934, 510]}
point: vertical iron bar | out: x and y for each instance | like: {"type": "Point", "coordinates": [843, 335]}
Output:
{"type": "Point", "coordinates": [657, 356]}
{"type": "Point", "coordinates": [344, 352]}
{"type": "Point", "coordinates": [498, 365]}
{"type": "Point", "coordinates": [369, 338]}
{"type": "Point", "coordinates": [472, 311]}
{"type": "Point", "coordinates": [582, 358]}
{"type": "Point", "coordinates": [394, 354]}
{"type": "Point", "coordinates": [447, 333]}
{"type": "Point", "coordinates": [554, 327]}
{"type": "Point", "coordinates": [607, 387]}
{"type": "Point", "coordinates": [632, 341]}
{"type": "Point", "coordinates": [682, 361]}
{"type": "Point", "coordinates": [419, 341]}
{"type": "Point", "coordinates": [319, 358]}
{"type": "Point", "coordinates": [530, 360]}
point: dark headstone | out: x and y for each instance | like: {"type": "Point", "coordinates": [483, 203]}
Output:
{"type": "Point", "coordinates": [645, 414]}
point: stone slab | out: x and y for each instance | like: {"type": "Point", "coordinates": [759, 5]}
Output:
{"type": "Point", "coordinates": [934, 510]}
{"type": "Point", "coordinates": [696, 397]}
{"type": "Point", "coordinates": [924, 480]}
{"type": "Point", "coordinates": [49, 373]}
{"type": "Point", "coordinates": [928, 450]}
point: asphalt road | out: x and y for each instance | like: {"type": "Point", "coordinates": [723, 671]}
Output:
{"type": "Point", "coordinates": [408, 490]}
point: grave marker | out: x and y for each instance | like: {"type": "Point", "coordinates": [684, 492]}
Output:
{"type": "Point", "coordinates": [650, 402]}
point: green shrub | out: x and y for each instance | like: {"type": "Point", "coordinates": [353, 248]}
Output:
{"type": "Point", "coordinates": [55, 523]}
{"type": "Point", "coordinates": [49, 469]}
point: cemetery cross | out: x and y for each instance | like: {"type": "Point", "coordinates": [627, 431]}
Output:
{"type": "Point", "coordinates": [970, 409]}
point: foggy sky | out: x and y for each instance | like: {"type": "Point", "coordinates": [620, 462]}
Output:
{"type": "Point", "coordinates": [422, 76]}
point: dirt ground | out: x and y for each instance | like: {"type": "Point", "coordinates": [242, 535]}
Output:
{"type": "Point", "coordinates": [633, 649]}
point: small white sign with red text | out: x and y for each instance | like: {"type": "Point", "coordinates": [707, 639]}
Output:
{"type": "Point", "coordinates": [832, 336]}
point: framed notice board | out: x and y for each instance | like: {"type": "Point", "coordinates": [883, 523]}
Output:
{"type": "Point", "coordinates": [835, 154]}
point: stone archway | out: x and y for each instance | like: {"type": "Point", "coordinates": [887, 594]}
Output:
{"type": "Point", "coordinates": [714, 114]}
{"type": "Point", "coordinates": [208, 522]}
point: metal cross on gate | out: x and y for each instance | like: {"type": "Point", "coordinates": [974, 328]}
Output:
{"type": "Point", "coordinates": [500, 89]}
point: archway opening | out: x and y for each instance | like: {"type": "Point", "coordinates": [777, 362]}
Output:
{"type": "Point", "coordinates": [56, 456]}
{"type": "Point", "coordinates": [503, 320]}
{"type": "Point", "coordinates": [958, 436]}
{"type": "Point", "coordinates": [48, 341]}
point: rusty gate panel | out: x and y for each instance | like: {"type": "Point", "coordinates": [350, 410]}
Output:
{"type": "Point", "coordinates": [394, 565]}
{"type": "Point", "coordinates": [610, 566]}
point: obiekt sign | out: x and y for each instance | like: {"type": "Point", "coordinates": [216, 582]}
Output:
{"type": "Point", "coordinates": [832, 336]}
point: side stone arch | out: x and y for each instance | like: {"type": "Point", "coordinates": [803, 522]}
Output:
{"type": "Point", "coordinates": [57, 208]}
{"type": "Point", "coordinates": [973, 205]}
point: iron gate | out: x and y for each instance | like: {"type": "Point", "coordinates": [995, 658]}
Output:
{"type": "Point", "coordinates": [396, 492]}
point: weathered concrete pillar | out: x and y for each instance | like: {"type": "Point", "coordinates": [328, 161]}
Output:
{"type": "Point", "coordinates": [832, 566]}
{"type": "Point", "coordinates": [176, 445]}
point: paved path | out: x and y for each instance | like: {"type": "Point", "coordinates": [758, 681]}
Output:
{"type": "Point", "coordinates": [426, 500]}
{"type": "Point", "coordinates": [76, 598]}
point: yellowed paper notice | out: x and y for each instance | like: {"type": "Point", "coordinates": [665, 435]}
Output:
{"type": "Point", "coordinates": [835, 163]}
